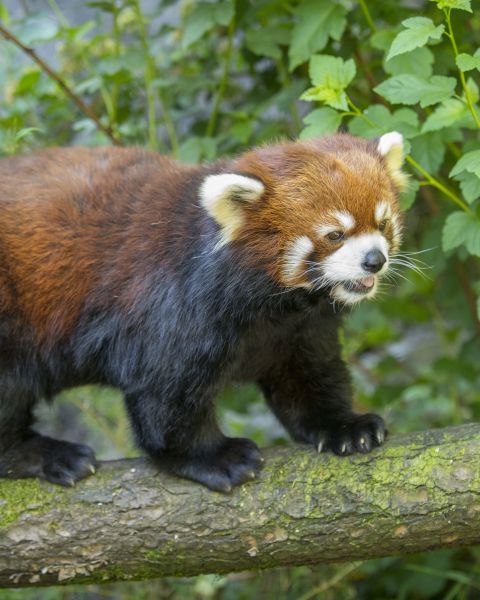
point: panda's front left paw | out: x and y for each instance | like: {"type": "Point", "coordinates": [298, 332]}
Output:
{"type": "Point", "coordinates": [356, 433]}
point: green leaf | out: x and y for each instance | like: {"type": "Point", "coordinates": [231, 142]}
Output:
{"type": "Point", "coordinates": [36, 29]}
{"type": "Point", "coordinates": [478, 307]}
{"type": "Point", "coordinates": [459, 4]}
{"type": "Point", "coordinates": [23, 133]}
{"type": "Point", "coordinates": [418, 62]}
{"type": "Point", "coordinates": [382, 39]}
{"type": "Point", "coordinates": [4, 15]}
{"type": "Point", "coordinates": [446, 114]}
{"type": "Point", "coordinates": [428, 150]}
{"type": "Point", "coordinates": [223, 12]}
{"type": "Point", "coordinates": [267, 41]}
{"type": "Point", "coordinates": [315, 23]}
{"type": "Point", "coordinates": [403, 120]}
{"type": "Point", "coordinates": [418, 30]}
{"type": "Point", "coordinates": [467, 62]}
{"type": "Point", "coordinates": [198, 22]}
{"type": "Point", "coordinates": [469, 162]}
{"type": "Point", "coordinates": [407, 198]}
{"type": "Point", "coordinates": [195, 149]}
{"type": "Point", "coordinates": [411, 89]}
{"type": "Point", "coordinates": [462, 228]}
{"type": "Point", "coordinates": [330, 76]}
{"type": "Point", "coordinates": [321, 121]}
{"type": "Point", "coordinates": [470, 186]}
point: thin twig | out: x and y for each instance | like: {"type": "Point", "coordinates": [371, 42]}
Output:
{"type": "Point", "coordinates": [85, 109]}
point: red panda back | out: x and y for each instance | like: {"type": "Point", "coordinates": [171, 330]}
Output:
{"type": "Point", "coordinates": [64, 217]}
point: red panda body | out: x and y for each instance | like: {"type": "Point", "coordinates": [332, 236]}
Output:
{"type": "Point", "coordinates": [123, 267]}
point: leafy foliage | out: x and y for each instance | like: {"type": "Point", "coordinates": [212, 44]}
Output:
{"type": "Point", "coordinates": [201, 79]}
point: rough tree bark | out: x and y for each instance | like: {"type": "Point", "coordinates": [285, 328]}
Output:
{"type": "Point", "coordinates": [418, 492]}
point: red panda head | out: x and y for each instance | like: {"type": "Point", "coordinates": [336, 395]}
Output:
{"type": "Point", "coordinates": [319, 214]}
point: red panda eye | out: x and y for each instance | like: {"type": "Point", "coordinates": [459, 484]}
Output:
{"type": "Point", "coordinates": [335, 236]}
{"type": "Point", "coordinates": [382, 224]}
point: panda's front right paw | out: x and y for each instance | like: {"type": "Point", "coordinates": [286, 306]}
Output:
{"type": "Point", "coordinates": [228, 464]}
{"type": "Point", "coordinates": [355, 433]}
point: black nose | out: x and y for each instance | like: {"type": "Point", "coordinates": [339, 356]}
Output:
{"type": "Point", "coordinates": [373, 261]}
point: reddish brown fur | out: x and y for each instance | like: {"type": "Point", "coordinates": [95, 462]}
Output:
{"type": "Point", "coordinates": [57, 251]}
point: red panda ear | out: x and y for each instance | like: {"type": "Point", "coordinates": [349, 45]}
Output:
{"type": "Point", "coordinates": [390, 146]}
{"type": "Point", "coordinates": [222, 197]}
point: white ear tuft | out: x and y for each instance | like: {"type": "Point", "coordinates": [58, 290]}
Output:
{"type": "Point", "coordinates": [223, 195]}
{"type": "Point", "coordinates": [229, 186]}
{"type": "Point", "coordinates": [390, 146]}
{"type": "Point", "coordinates": [389, 141]}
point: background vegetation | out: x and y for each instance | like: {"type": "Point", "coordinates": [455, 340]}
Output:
{"type": "Point", "coordinates": [200, 79]}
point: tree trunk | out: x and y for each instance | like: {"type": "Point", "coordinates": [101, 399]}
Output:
{"type": "Point", "coordinates": [418, 492]}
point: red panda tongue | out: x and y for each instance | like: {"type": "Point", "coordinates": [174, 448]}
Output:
{"type": "Point", "coordinates": [368, 281]}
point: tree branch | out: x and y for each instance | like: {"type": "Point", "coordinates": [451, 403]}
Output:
{"type": "Point", "coordinates": [61, 82]}
{"type": "Point", "coordinates": [420, 491]}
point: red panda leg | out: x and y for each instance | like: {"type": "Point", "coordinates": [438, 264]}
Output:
{"type": "Point", "coordinates": [188, 442]}
{"type": "Point", "coordinates": [312, 399]}
{"type": "Point", "coordinates": [25, 453]}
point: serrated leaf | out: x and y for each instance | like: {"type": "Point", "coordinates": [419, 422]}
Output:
{"type": "Point", "coordinates": [467, 62]}
{"type": "Point", "coordinates": [444, 115]}
{"type": "Point", "coordinates": [418, 62]}
{"type": "Point", "coordinates": [407, 198]}
{"type": "Point", "coordinates": [458, 4]}
{"type": "Point", "coordinates": [462, 228]}
{"type": "Point", "coordinates": [321, 121]}
{"type": "Point", "coordinates": [418, 30]}
{"type": "Point", "coordinates": [470, 186]}
{"type": "Point", "coordinates": [469, 162]}
{"type": "Point", "coordinates": [330, 76]}
{"type": "Point", "coordinates": [428, 150]}
{"type": "Point", "coordinates": [411, 89]}
{"type": "Point", "coordinates": [315, 23]}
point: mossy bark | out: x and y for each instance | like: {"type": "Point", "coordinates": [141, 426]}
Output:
{"type": "Point", "coordinates": [418, 492]}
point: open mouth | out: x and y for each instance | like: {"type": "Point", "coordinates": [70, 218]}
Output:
{"type": "Point", "coordinates": [360, 286]}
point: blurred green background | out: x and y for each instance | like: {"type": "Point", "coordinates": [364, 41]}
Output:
{"type": "Point", "coordinates": [201, 79]}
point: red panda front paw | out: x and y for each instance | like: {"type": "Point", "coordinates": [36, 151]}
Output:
{"type": "Point", "coordinates": [226, 465]}
{"type": "Point", "coordinates": [358, 433]}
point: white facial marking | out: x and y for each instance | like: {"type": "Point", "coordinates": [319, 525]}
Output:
{"type": "Point", "coordinates": [388, 141]}
{"type": "Point", "coordinates": [346, 219]}
{"type": "Point", "coordinates": [229, 185]}
{"type": "Point", "coordinates": [295, 256]}
{"type": "Point", "coordinates": [382, 211]}
{"type": "Point", "coordinates": [345, 264]}
{"type": "Point", "coordinates": [345, 222]}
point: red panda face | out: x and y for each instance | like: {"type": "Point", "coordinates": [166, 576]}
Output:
{"type": "Point", "coordinates": [319, 215]}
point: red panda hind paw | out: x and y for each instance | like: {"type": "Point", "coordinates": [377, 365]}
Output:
{"type": "Point", "coordinates": [361, 434]}
{"type": "Point", "coordinates": [232, 463]}
{"type": "Point", "coordinates": [56, 461]}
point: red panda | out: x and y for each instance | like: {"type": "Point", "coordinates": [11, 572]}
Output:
{"type": "Point", "coordinates": [123, 267]}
